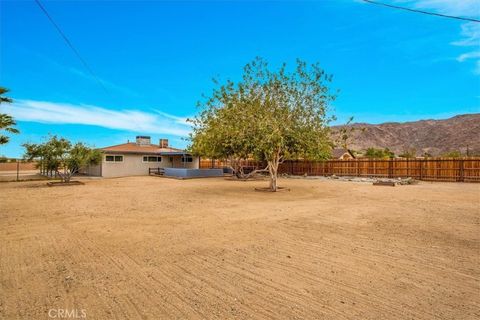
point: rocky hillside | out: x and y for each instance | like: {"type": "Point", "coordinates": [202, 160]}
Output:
{"type": "Point", "coordinates": [432, 136]}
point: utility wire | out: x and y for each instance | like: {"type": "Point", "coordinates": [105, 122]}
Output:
{"type": "Point", "coordinates": [421, 11]}
{"type": "Point", "coordinates": [69, 43]}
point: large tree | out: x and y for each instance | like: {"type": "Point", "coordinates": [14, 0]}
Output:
{"type": "Point", "coordinates": [60, 156]}
{"type": "Point", "coordinates": [269, 115]}
{"type": "Point", "coordinates": [7, 123]}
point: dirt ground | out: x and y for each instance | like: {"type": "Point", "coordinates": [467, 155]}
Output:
{"type": "Point", "coordinates": [156, 248]}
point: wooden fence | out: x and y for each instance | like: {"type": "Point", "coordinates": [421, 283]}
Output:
{"type": "Point", "coordinates": [430, 169]}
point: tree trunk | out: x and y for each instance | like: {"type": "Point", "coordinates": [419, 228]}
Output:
{"type": "Point", "coordinates": [66, 176]}
{"type": "Point", "coordinates": [273, 170]}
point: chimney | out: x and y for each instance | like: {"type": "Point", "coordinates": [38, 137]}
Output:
{"type": "Point", "coordinates": [143, 140]}
{"type": "Point", "coordinates": [163, 143]}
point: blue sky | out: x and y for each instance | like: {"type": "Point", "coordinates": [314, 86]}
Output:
{"type": "Point", "coordinates": [156, 58]}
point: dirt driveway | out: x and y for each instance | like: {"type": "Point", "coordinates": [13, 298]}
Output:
{"type": "Point", "coordinates": [154, 248]}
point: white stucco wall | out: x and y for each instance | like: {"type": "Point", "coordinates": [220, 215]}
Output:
{"type": "Point", "coordinates": [133, 165]}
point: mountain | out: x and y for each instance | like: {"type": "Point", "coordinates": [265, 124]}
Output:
{"type": "Point", "coordinates": [432, 136]}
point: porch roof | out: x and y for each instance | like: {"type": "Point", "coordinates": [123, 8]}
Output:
{"type": "Point", "coordinates": [174, 153]}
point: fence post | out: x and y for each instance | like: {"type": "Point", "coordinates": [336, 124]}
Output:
{"type": "Point", "coordinates": [421, 169]}
{"type": "Point", "coordinates": [462, 174]}
{"type": "Point", "coordinates": [390, 168]}
{"type": "Point", "coordinates": [408, 168]}
{"type": "Point", "coordinates": [18, 169]}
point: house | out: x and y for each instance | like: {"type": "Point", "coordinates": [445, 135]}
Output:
{"type": "Point", "coordinates": [342, 154]}
{"type": "Point", "coordinates": [135, 158]}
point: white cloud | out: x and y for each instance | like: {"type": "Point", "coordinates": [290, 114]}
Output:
{"type": "Point", "coordinates": [107, 84]}
{"type": "Point", "coordinates": [65, 113]}
{"type": "Point", "coordinates": [468, 55]}
{"type": "Point", "coordinates": [179, 120]}
{"type": "Point", "coordinates": [470, 31]}
{"type": "Point", "coordinates": [470, 35]}
{"type": "Point", "coordinates": [467, 8]}
{"type": "Point", "coordinates": [110, 86]}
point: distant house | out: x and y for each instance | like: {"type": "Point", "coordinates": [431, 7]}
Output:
{"type": "Point", "coordinates": [342, 154]}
{"type": "Point", "coordinates": [135, 158]}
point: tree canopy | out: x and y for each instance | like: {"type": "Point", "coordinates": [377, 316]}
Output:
{"type": "Point", "coordinates": [379, 153]}
{"type": "Point", "coordinates": [61, 156]}
{"type": "Point", "coordinates": [268, 115]}
{"type": "Point", "coordinates": [452, 154]}
{"type": "Point", "coordinates": [408, 153]}
{"type": "Point", "coordinates": [7, 123]}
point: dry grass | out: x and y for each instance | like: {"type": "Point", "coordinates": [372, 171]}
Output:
{"type": "Point", "coordinates": [152, 248]}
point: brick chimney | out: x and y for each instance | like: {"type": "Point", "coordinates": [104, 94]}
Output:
{"type": "Point", "coordinates": [163, 143]}
{"type": "Point", "coordinates": [143, 140]}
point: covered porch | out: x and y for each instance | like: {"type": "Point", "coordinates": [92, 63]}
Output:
{"type": "Point", "coordinates": [183, 165]}
{"type": "Point", "coordinates": [182, 160]}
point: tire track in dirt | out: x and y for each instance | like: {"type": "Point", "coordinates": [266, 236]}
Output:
{"type": "Point", "coordinates": [137, 277]}
{"type": "Point", "coordinates": [202, 251]}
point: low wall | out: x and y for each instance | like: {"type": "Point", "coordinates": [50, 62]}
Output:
{"type": "Point", "coordinates": [193, 173]}
{"type": "Point", "coordinates": [22, 166]}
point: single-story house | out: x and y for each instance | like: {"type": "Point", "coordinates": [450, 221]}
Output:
{"type": "Point", "coordinates": [342, 154]}
{"type": "Point", "coordinates": [135, 158]}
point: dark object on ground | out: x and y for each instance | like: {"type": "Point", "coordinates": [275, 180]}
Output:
{"type": "Point", "coordinates": [60, 183]}
{"type": "Point", "coordinates": [270, 190]}
{"type": "Point", "coordinates": [407, 181]}
{"type": "Point", "coordinates": [384, 183]}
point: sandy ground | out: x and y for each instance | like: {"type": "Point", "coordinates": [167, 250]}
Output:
{"type": "Point", "coordinates": [155, 248]}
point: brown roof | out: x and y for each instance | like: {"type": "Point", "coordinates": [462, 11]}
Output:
{"type": "Point", "coordinates": [338, 152]}
{"type": "Point", "coordinates": [132, 147]}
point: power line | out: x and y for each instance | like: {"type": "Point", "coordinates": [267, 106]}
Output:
{"type": "Point", "coordinates": [421, 11]}
{"type": "Point", "coordinates": [70, 44]}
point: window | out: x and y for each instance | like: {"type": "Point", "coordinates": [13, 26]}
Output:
{"type": "Point", "coordinates": [187, 159]}
{"type": "Point", "coordinates": [152, 159]}
{"type": "Point", "coordinates": [114, 158]}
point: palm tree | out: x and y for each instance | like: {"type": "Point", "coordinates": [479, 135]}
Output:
{"type": "Point", "coordinates": [7, 123]}
{"type": "Point", "coordinates": [4, 99]}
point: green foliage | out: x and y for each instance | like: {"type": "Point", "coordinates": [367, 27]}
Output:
{"type": "Point", "coordinates": [267, 115]}
{"type": "Point", "coordinates": [7, 123]}
{"type": "Point", "coordinates": [375, 153]}
{"type": "Point", "coordinates": [408, 153]}
{"type": "Point", "coordinates": [452, 154]}
{"type": "Point", "coordinates": [346, 133]}
{"type": "Point", "coordinates": [59, 155]}
{"type": "Point", "coordinates": [4, 99]}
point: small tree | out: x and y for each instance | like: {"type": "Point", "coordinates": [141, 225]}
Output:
{"type": "Point", "coordinates": [452, 154]}
{"type": "Point", "coordinates": [7, 123]}
{"type": "Point", "coordinates": [268, 115]}
{"type": "Point", "coordinates": [408, 153]}
{"type": "Point", "coordinates": [379, 153]}
{"type": "Point", "coordinates": [345, 133]}
{"type": "Point", "coordinates": [60, 156]}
